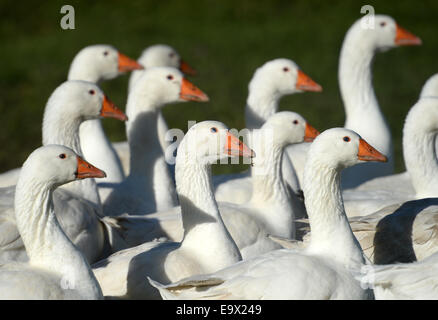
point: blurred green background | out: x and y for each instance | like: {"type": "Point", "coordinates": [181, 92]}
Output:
{"type": "Point", "coordinates": [224, 40]}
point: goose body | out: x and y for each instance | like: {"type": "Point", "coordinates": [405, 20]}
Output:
{"type": "Point", "coordinates": [399, 233]}
{"type": "Point", "coordinates": [363, 114]}
{"type": "Point", "coordinates": [56, 268]}
{"type": "Point", "coordinates": [206, 243]}
{"type": "Point", "coordinates": [326, 269]}
{"type": "Point", "coordinates": [406, 281]}
{"type": "Point", "coordinates": [402, 232]}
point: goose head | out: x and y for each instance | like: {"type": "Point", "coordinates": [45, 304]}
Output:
{"type": "Point", "coordinates": [162, 55]}
{"type": "Point", "coordinates": [384, 34]}
{"type": "Point", "coordinates": [340, 148]}
{"type": "Point", "coordinates": [164, 85]}
{"type": "Point", "coordinates": [282, 77]}
{"type": "Point", "coordinates": [81, 100]}
{"type": "Point", "coordinates": [209, 141]}
{"type": "Point", "coordinates": [289, 127]}
{"type": "Point", "coordinates": [100, 62]}
{"type": "Point", "coordinates": [55, 165]}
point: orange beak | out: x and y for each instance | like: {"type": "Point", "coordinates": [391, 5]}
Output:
{"type": "Point", "coordinates": [235, 147]}
{"type": "Point", "coordinates": [190, 92]}
{"type": "Point", "coordinates": [405, 38]}
{"type": "Point", "coordinates": [310, 133]}
{"type": "Point", "coordinates": [109, 110]}
{"type": "Point", "coordinates": [368, 153]}
{"type": "Point", "coordinates": [128, 64]}
{"type": "Point", "coordinates": [186, 68]}
{"type": "Point", "coordinates": [86, 170]}
{"type": "Point", "coordinates": [305, 83]}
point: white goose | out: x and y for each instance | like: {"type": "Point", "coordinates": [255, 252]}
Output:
{"type": "Point", "coordinates": [270, 82]}
{"type": "Point", "coordinates": [326, 269]}
{"type": "Point", "coordinates": [159, 55]}
{"type": "Point", "coordinates": [149, 187]}
{"type": "Point", "coordinates": [56, 268]}
{"type": "Point", "coordinates": [206, 244]}
{"type": "Point", "coordinates": [93, 63]}
{"type": "Point", "coordinates": [270, 211]}
{"type": "Point", "coordinates": [406, 281]}
{"type": "Point", "coordinates": [96, 63]}
{"type": "Point", "coordinates": [271, 208]}
{"type": "Point", "coordinates": [419, 152]}
{"type": "Point", "coordinates": [363, 114]}
{"type": "Point", "coordinates": [77, 204]}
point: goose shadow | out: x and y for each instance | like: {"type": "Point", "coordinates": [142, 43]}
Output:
{"type": "Point", "coordinates": [393, 241]}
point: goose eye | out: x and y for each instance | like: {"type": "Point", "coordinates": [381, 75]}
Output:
{"type": "Point", "coordinates": [62, 156]}
{"type": "Point", "coordinates": [346, 139]}
{"type": "Point", "coordinates": [170, 77]}
{"type": "Point", "coordinates": [295, 121]}
{"type": "Point", "coordinates": [285, 69]}
{"type": "Point", "coordinates": [105, 53]}
{"type": "Point", "coordinates": [91, 92]}
{"type": "Point", "coordinates": [382, 24]}
{"type": "Point", "coordinates": [213, 129]}
{"type": "Point", "coordinates": [171, 55]}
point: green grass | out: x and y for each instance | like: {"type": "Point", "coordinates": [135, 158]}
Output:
{"type": "Point", "coordinates": [224, 40]}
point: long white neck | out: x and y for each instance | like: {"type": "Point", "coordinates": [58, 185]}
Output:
{"type": "Point", "coordinates": [362, 110]}
{"type": "Point", "coordinates": [262, 102]}
{"type": "Point", "coordinates": [162, 125]}
{"type": "Point", "coordinates": [420, 155]}
{"type": "Point", "coordinates": [148, 167]}
{"type": "Point", "coordinates": [331, 231]}
{"type": "Point", "coordinates": [269, 189]}
{"type": "Point", "coordinates": [204, 231]}
{"type": "Point", "coordinates": [64, 130]}
{"type": "Point", "coordinates": [46, 243]}
{"type": "Point", "coordinates": [95, 144]}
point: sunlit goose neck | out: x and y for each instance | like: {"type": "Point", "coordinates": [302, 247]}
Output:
{"type": "Point", "coordinates": [419, 135]}
{"type": "Point", "coordinates": [281, 129]}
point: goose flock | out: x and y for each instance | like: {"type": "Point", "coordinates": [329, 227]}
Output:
{"type": "Point", "coordinates": [315, 216]}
